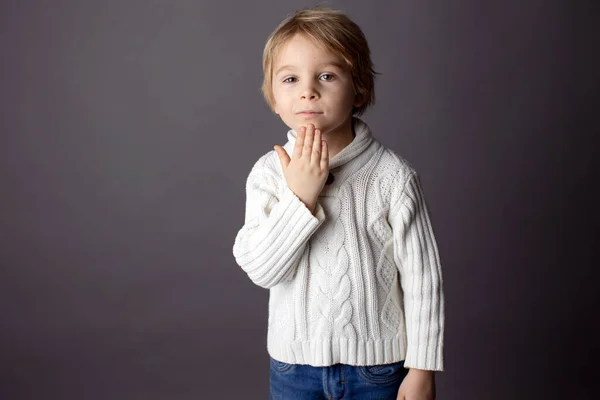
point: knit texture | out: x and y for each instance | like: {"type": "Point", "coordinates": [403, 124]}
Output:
{"type": "Point", "coordinates": [360, 281]}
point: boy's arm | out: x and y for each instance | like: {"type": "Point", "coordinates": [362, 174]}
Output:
{"type": "Point", "coordinates": [276, 230]}
{"type": "Point", "coordinates": [416, 256]}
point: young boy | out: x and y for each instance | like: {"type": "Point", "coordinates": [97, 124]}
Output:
{"type": "Point", "coordinates": [336, 227]}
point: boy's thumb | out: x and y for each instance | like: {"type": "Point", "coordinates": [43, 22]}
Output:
{"type": "Point", "coordinates": [284, 159]}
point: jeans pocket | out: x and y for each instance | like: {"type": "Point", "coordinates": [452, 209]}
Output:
{"type": "Point", "coordinates": [280, 365]}
{"type": "Point", "coordinates": [383, 374]}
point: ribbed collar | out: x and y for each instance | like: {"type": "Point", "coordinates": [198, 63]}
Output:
{"type": "Point", "coordinates": [360, 143]}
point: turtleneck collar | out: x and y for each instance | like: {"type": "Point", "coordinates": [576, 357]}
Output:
{"type": "Point", "coordinates": [361, 141]}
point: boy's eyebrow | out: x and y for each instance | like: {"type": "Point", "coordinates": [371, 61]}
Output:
{"type": "Point", "coordinates": [325, 64]}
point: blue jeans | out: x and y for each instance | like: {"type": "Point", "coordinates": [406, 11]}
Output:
{"type": "Point", "coordinates": [336, 382]}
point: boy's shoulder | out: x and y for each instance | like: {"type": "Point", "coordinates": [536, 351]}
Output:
{"type": "Point", "coordinates": [395, 172]}
{"type": "Point", "coordinates": [267, 166]}
{"type": "Point", "coordinates": [396, 163]}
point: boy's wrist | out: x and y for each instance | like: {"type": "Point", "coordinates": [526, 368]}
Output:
{"type": "Point", "coordinates": [312, 207]}
{"type": "Point", "coordinates": [422, 372]}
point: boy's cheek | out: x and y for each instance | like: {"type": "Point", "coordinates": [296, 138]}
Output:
{"type": "Point", "coordinates": [276, 108]}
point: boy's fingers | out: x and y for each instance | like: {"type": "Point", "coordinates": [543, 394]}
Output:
{"type": "Point", "coordinates": [316, 148]}
{"type": "Point", "coordinates": [324, 155]}
{"type": "Point", "coordinates": [308, 142]}
{"type": "Point", "coordinates": [284, 159]}
{"type": "Point", "coordinates": [299, 143]}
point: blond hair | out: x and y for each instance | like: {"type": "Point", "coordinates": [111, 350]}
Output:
{"type": "Point", "coordinates": [340, 35]}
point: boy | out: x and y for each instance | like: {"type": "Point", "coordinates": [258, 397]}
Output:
{"type": "Point", "coordinates": [336, 227]}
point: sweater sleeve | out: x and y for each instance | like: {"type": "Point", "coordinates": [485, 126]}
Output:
{"type": "Point", "coordinates": [416, 256]}
{"type": "Point", "coordinates": [276, 230]}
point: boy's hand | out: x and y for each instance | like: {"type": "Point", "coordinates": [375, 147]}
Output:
{"type": "Point", "coordinates": [417, 385]}
{"type": "Point", "coordinates": [308, 168]}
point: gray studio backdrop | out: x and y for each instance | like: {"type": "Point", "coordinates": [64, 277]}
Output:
{"type": "Point", "coordinates": [128, 129]}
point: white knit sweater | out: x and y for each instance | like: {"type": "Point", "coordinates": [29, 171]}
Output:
{"type": "Point", "coordinates": [360, 281]}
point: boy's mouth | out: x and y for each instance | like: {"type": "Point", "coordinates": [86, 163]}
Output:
{"type": "Point", "coordinates": [309, 113]}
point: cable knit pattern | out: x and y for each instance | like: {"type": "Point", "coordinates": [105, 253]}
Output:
{"type": "Point", "coordinates": [360, 281]}
{"type": "Point", "coordinates": [332, 307]}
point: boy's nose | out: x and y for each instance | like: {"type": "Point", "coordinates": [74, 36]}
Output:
{"type": "Point", "coordinates": [309, 92]}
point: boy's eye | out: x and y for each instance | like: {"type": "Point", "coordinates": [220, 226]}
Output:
{"type": "Point", "coordinates": [291, 79]}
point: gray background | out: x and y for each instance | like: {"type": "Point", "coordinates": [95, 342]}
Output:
{"type": "Point", "coordinates": [128, 129]}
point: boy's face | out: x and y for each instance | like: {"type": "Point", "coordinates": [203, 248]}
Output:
{"type": "Point", "coordinates": [307, 77]}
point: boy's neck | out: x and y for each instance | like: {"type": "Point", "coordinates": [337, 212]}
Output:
{"type": "Point", "coordinates": [338, 139]}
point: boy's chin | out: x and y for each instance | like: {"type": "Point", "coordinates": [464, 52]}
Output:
{"type": "Point", "coordinates": [318, 125]}
{"type": "Point", "coordinates": [297, 127]}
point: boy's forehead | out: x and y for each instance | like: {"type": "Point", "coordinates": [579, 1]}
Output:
{"type": "Point", "coordinates": [302, 42]}
{"type": "Point", "coordinates": [293, 52]}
